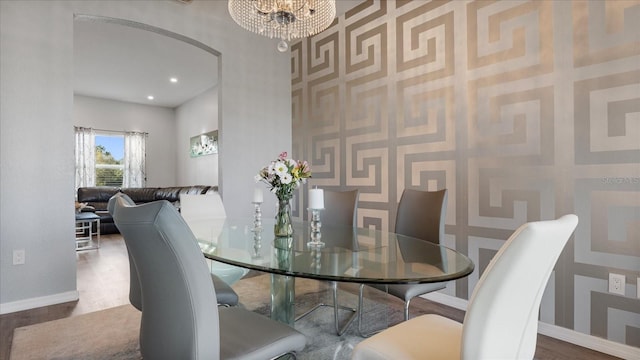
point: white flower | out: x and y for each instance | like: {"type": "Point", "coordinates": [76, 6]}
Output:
{"type": "Point", "coordinates": [257, 178]}
{"type": "Point", "coordinates": [280, 168]}
{"type": "Point", "coordinates": [286, 178]}
{"type": "Point", "coordinates": [284, 175]}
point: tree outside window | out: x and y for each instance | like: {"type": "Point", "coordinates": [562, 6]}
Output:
{"type": "Point", "coordinates": [109, 160]}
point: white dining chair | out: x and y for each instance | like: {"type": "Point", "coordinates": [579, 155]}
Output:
{"type": "Point", "coordinates": [205, 215]}
{"type": "Point", "coordinates": [501, 321]}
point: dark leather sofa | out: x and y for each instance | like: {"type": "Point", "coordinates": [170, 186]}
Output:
{"type": "Point", "coordinates": [98, 197]}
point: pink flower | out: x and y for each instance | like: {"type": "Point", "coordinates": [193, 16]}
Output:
{"type": "Point", "coordinates": [304, 167]}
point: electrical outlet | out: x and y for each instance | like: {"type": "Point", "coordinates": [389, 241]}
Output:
{"type": "Point", "coordinates": [616, 283]}
{"type": "Point", "coordinates": [18, 257]}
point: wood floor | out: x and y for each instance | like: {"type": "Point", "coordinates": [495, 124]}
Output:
{"type": "Point", "coordinates": [103, 282]}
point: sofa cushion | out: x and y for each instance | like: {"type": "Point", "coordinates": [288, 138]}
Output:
{"type": "Point", "coordinates": [96, 197]}
{"type": "Point", "coordinates": [141, 195]}
{"type": "Point", "coordinates": [96, 194]}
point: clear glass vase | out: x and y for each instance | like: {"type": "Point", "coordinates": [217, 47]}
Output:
{"type": "Point", "coordinates": [283, 227]}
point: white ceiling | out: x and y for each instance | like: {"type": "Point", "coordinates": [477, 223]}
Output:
{"type": "Point", "coordinates": [124, 63]}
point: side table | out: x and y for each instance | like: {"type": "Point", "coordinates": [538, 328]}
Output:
{"type": "Point", "coordinates": [86, 238]}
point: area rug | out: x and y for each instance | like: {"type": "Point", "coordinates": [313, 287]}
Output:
{"type": "Point", "coordinates": [107, 334]}
{"type": "Point", "coordinates": [113, 333]}
{"type": "Point", "coordinates": [319, 326]}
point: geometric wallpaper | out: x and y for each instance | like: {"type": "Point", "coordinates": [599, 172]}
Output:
{"type": "Point", "coordinates": [523, 110]}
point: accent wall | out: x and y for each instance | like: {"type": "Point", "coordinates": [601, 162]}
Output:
{"type": "Point", "coordinates": [523, 110]}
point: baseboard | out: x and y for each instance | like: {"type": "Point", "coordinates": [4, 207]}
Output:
{"type": "Point", "coordinates": [557, 332]}
{"type": "Point", "coordinates": [33, 303]}
{"type": "Point", "coordinates": [589, 341]}
{"type": "Point", "coordinates": [455, 302]}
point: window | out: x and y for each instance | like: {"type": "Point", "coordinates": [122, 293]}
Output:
{"type": "Point", "coordinates": [109, 160]}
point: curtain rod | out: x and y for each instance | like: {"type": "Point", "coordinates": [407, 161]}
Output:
{"type": "Point", "coordinates": [113, 131]}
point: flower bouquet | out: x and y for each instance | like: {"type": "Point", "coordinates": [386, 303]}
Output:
{"type": "Point", "coordinates": [284, 176]}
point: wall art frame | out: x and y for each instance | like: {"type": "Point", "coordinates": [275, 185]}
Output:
{"type": "Point", "coordinates": [204, 144]}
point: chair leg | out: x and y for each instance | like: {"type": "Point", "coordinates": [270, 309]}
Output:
{"type": "Point", "coordinates": [336, 307]}
{"type": "Point", "coordinates": [339, 329]}
{"type": "Point", "coordinates": [360, 309]}
{"type": "Point", "coordinates": [406, 309]}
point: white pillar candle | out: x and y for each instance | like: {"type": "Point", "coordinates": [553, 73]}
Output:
{"type": "Point", "coordinates": [316, 199]}
{"type": "Point", "coordinates": [257, 195]}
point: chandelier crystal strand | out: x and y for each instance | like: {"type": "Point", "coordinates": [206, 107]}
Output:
{"type": "Point", "coordinates": [284, 19]}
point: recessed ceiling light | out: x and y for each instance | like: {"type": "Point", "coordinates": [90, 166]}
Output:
{"type": "Point", "coordinates": [150, 97]}
{"type": "Point", "coordinates": [173, 80]}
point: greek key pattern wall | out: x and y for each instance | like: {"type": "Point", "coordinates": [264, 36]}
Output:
{"type": "Point", "coordinates": [523, 110]}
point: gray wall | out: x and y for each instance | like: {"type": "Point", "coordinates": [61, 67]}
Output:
{"type": "Point", "coordinates": [36, 127]}
{"type": "Point", "coordinates": [158, 122]}
{"type": "Point", "coordinates": [522, 110]}
{"type": "Point", "coordinates": [197, 116]}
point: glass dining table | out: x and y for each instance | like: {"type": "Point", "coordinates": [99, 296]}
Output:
{"type": "Point", "coordinates": [358, 255]}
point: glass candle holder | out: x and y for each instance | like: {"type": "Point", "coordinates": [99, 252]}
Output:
{"type": "Point", "coordinates": [315, 226]}
{"type": "Point", "coordinates": [257, 244]}
{"type": "Point", "coordinates": [316, 262]}
{"type": "Point", "coordinates": [257, 216]}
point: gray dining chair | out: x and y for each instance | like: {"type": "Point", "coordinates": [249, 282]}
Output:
{"type": "Point", "coordinates": [501, 321]}
{"type": "Point", "coordinates": [421, 214]}
{"type": "Point", "coordinates": [178, 319]}
{"type": "Point", "coordinates": [340, 210]}
{"type": "Point", "coordinates": [225, 295]}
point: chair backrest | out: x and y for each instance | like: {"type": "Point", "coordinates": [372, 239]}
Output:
{"type": "Point", "coordinates": [205, 214]}
{"type": "Point", "coordinates": [502, 317]}
{"type": "Point", "coordinates": [178, 320]}
{"type": "Point", "coordinates": [135, 296]}
{"type": "Point", "coordinates": [421, 214]}
{"type": "Point", "coordinates": [111, 205]}
{"type": "Point", "coordinates": [340, 208]}
{"type": "Point", "coordinates": [204, 206]}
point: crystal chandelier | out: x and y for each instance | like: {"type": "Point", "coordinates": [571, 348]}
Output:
{"type": "Point", "coordinates": [284, 19]}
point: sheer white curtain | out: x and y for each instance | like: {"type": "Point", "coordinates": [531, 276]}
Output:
{"type": "Point", "coordinates": [85, 154]}
{"type": "Point", "coordinates": [134, 174]}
